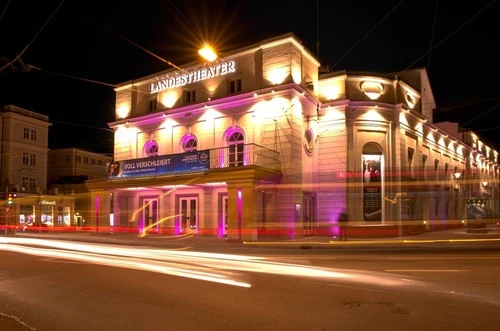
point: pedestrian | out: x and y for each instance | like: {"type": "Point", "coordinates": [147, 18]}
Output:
{"type": "Point", "coordinates": [343, 226]}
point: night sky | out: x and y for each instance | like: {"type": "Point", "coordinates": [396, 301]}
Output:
{"type": "Point", "coordinates": [73, 52]}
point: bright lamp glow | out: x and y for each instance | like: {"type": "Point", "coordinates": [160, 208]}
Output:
{"type": "Point", "coordinates": [208, 53]}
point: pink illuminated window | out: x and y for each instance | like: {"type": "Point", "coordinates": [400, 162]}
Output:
{"type": "Point", "coordinates": [236, 142]}
{"type": "Point", "coordinates": [189, 143]}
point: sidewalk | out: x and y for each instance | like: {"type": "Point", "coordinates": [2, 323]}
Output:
{"type": "Point", "coordinates": [488, 235]}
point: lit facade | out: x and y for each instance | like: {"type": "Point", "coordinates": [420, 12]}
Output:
{"type": "Point", "coordinates": [24, 149]}
{"type": "Point", "coordinates": [259, 144]}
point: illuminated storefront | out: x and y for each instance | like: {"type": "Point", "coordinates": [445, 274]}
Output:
{"type": "Point", "coordinates": [259, 144]}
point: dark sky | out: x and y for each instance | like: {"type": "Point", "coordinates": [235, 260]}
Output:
{"type": "Point", "coordinates": [74, 51]}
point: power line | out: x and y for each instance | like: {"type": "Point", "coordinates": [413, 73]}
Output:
{"type": "Point", "coordinates": [147, 51]}
{"type": "Point", "coordinates": [5, 9]}
{"type": "Point", "coordinates": [483, 113]}
{"type": "Point", "coordinates": [366, 35]}
{"type": "Point", "coordinates": [36, 35]}
{"type": "Point", "coordinates": [452, 33]}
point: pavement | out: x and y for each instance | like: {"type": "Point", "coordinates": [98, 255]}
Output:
{"type": "Point", "coordinates": [486, 236]}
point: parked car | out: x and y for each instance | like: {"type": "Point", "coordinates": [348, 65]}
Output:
{"type": "Point", "coordinates": [34, 227]}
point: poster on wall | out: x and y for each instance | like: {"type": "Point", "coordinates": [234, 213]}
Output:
{"type": "Point", "coordinates": [159, 165]}
{"type": "Point", "coordinates": [372, 188]}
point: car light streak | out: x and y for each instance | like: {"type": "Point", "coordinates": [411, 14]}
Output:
{"type": "Point", "coordinates": [129, 263]}
{"type": "Point", "coordinates": [157, 260]}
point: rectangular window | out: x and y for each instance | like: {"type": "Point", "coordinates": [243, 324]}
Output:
{"type": "Point", "coordinates": [85, 160]}
{"type": "Point", "coordinates": [33, 135]}
{"type": "Point", "coordinates": [189, 96]}
{"type": "Point", "coordinates": [66, 158]}
{"type": "Point", "coordinates": [424, 167]}
{"type": "Point", "coordinates": [99, 163]}
{"type": "Point", "coordinates": [25, 158]}
{"type": "Point", "coordinates": [33, 160]}
{"type": "Point", "coordinates": [78, 159]}
{"type": "Point", "coordinates": [92, 161]}
{"type": "Point", "coordinates": [153, 105]}
{"type": "Point", "coordinates": [411, 152]}
{"type": "Point", "coordinates": [436, 168]}
{"type": "Point", "coordinates": [234, 86]}
{"type": "Point", "coordinates": [29, 184]}
{"type": "Point", "coordinates": [26, 133]}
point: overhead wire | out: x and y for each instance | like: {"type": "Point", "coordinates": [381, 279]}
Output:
{"type": "Point", "coordinates": [34, 38]}
{"type": "Point", "coordinates": [432, 36]}
{"type": "Point", "coordinates": [5, 9]}
{"type": "Point", "coordinates": [366, 35]}
{"type": "Point", "coordinates": [449, 35]}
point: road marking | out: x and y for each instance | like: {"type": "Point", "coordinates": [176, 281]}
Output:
{"type": "Point", "coordinates": [426, 270]}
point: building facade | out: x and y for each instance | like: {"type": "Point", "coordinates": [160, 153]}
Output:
{"type": "Point", "coordinates": [67, 171]}
{"type": "Point", "coordinates": [24, 149]}
{"type": "Point", "coordinates": [259, 144]}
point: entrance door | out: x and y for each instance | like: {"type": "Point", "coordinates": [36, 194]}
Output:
{"type": "Point", "coordinates": [223, 216]}
{"type": "Point", "coordinates": [150, 214]}
{"type": "Point", "coordinates": [309, 219]}
{"type": "Point", "coordinates": [189, 214]}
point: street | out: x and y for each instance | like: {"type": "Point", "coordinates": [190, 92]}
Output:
{"type": "Point", "coordinates": [49, 284]}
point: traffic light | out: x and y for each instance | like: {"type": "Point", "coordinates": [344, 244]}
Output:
{"type": "Point", "coordinates": [10, 197]}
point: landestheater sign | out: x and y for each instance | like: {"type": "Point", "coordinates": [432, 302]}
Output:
{"type": "Point", "coordinates": [219, 69]}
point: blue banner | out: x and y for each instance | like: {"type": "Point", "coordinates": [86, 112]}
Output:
{"type": "Point", "coordinates": [160, 165]}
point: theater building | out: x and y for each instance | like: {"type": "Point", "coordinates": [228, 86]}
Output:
{"type": "Point", "coordinates": [262, 143]}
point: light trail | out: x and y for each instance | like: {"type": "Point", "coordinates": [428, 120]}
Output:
{"type": "Point", "coordinates": [214, 267]}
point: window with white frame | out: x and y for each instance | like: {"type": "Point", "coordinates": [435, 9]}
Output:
{"type": "Point", "coordinates": [236, 143]}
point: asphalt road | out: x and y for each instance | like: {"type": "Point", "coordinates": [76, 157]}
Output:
{"type": "Point", "coordinates": [70, 285]}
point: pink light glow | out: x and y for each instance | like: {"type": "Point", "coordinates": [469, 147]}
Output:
{"type": "Point", "coordinates": [240, 208]}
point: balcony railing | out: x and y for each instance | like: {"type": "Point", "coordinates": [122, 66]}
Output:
{"type": "Point", "coordinates": [243, 155]}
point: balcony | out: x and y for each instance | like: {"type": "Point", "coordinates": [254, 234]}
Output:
{"type": "Point", "coordinates": [244, 155]}
{"type": "Point", "coordinates": [238, 155]}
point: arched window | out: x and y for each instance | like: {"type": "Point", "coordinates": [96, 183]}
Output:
{"type": "Point", "coordinates": [189, 143]}
{"type": "Point", "coordinates": [151, 148]}
{"type": "Point", "coordinates": [236, 143]}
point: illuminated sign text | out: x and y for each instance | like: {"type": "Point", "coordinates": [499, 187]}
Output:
{"type": "Point", "coordinates": [193, 77]}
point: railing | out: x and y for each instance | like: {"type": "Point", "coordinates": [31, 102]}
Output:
{"type": "Point", "coordinates": [243, 155]}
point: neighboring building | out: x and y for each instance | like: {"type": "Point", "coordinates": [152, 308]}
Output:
{"type": "Point", "coordinates": [71, 162]}
{"type": "Point", "coordinates": [67, 171]}
{"type": "Point", "coordinates": [23, 152]}
{"type": "Point", "coordinates": [258, 143]}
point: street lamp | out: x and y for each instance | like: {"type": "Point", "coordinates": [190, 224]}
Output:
{"type": "Point", "coordinates": [208, 53]}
